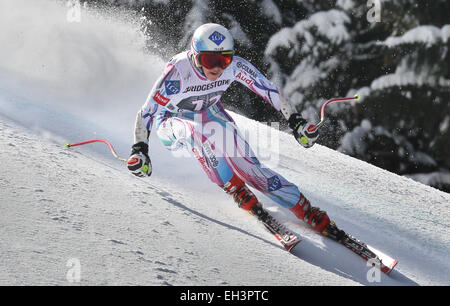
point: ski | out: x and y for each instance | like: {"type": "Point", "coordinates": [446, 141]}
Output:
{"type": "Point", "coordinates": [287, 239]}
{"type": "Point", "coordinates": [385, 263]}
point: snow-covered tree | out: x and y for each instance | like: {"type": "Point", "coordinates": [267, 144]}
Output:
{"type": "Point", "coordinates": [398, 65]}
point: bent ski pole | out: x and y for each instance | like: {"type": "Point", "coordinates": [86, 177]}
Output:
{"type": "Point", "coordinates": [322, 110]}
{"type": "Point", "coordinates": [68, 145]}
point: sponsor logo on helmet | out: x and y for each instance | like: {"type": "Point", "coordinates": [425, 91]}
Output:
{"type": "Point", "coordinates": [172, 87]}
{"type": "Point", "coordinates": [217, 38]}
{"type": "Point", "coordinates": [274, 183]}
{"type": "Point", "coordinates": [160, 99]}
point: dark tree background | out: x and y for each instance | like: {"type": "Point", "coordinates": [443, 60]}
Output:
{"type": "Point", "coordinates": [398, 61]}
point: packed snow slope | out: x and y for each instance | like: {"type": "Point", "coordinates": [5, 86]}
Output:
{"type": "Point", "coordinates": [62, 81]}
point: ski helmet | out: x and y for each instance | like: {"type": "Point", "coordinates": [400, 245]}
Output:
{"type": "Point", "coordinates": [211, 37]}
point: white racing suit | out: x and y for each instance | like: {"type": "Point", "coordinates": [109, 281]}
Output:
{"type": "Point", "coordinates": [188, 114]}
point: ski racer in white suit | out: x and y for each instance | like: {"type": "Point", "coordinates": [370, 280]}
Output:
{"type": "Point", "coordinates": [185, 105]}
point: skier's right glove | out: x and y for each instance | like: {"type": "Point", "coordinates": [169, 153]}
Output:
{"type": "Point", "coordinates": [139, 163]}
{"type": "Point", "coordinates": [304, 132]}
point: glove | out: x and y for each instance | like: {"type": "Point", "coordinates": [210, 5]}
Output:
{"type": "Point", "coordinates": [139, 163]}
{"type": "Point", "coordinates": [304, 132]}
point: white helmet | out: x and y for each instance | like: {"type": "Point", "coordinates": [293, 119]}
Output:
{"type": "Point", "coordinates": [211, 37]}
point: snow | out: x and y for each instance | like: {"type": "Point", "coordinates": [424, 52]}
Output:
{"type": "Point", "coordinates": [60, 206]}
{"type": "Point", "coordinates": [177, 228]}
{"type": "Point", "coordinates": [426, 34]}
{"type": "Point", "coordinates": [434, 178]}
{"type": "Point", "coordinates": [423, 159]}
{"type": "Point", "coordinates": [270, 9]}
{"type": "Point", "coordinates": [353, 142]}
{"type": "Point", "coordinates": [126, 231]}
{"type": "Point", "coordinates": [195, 17]}
{"type": "Point", "coordinates": [330, 24]}
{"type": "Point", "coordinates": [406, 75]}
{"type": "Point", "coordinates": [305, 47]}
{"type": "Point", "coordinates": [443, 127]}
{"type": "Point", "coordinates": [346, 5]}
{"type": "Point", "coordinates": [137, 2]}
{"type": "Point", "coordinates": [303, 76]}
{"type": "Point", "coordinates": [284, 38]}
{"type": "Point", "coordinates": [236, 31]}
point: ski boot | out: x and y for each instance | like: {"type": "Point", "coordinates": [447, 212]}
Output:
{"type": "Point", "coordinates": [317, 218]}
{"type": "Point", "coordinates": [246, 200]}
{"type": "Point", "coordinates": [243, 196]}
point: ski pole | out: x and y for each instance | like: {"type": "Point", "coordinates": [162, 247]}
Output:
{"type": "Point", "coordinates": [68, 145]}
{"type": "Point", "coordinates": [322, 110]}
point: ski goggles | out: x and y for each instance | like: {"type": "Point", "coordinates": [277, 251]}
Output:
{"type": "Point", "coordinates": [214, 59]}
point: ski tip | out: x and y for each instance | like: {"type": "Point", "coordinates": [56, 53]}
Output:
{"type": "Point", "coordinates": [291, 245]}
{"type": "Point", "coordinates": [387, 269]}
{"type": "Point", "coordinates": [358, 97]}
{"type": "Point", "coordinates": [67, 145]}
{"type": "Point", "coordinates": [391, 267]}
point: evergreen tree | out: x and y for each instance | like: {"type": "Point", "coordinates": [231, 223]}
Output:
{"type": "Point", "coordinates": [399, 66]}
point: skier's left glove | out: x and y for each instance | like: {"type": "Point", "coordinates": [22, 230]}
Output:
{"type": "Point", "coordinates": [304, 132]}
{"type": "Point", "coordinates": [139, 162]}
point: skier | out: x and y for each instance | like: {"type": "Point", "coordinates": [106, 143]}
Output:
{"type": "Point", "coordinates": [185, 103]}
